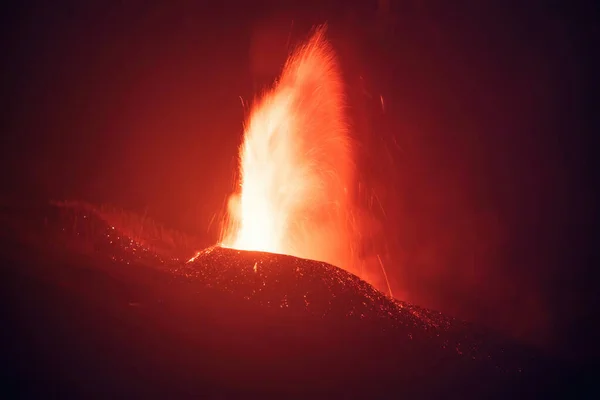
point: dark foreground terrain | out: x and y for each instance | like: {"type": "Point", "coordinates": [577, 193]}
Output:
{"type": "Point", "coordinates": [88, 312]}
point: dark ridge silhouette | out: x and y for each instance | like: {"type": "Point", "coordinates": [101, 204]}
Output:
{"type": "Point", "coordinates": [93, 313]}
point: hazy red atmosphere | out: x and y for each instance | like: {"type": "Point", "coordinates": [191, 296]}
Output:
{"type": "Point", "coordinates": [447, 141]}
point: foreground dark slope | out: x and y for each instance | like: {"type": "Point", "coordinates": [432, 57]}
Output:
{"type": "Point", "coordinates": [89, 312]}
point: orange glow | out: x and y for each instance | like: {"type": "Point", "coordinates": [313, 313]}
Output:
{"type": "Point", "coordinates": [296, 165]}
{"type": "Point", "coordinates": [192, 259]}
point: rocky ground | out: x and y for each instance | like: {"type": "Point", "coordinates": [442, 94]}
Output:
{"type": "Point", "coordinates": [90, 311]}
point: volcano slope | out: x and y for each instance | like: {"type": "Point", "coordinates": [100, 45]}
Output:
{"type": "Point", "coordinates": [90, 312]}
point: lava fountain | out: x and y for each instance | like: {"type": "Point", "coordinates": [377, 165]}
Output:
{"type": "Point", "coordinates": [296, 165]}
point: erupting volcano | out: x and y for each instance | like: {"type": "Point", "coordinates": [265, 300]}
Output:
{"type": "Point", "coordinates": [296, 165]}
{"type": "Point", "coordinates": [121, 288]}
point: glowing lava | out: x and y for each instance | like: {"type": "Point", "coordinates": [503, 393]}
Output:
{"type": "Point", "coordinates": [296, 164]}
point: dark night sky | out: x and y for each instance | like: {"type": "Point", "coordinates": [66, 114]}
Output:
{"type": "Point", "coordinates": [480, 159]}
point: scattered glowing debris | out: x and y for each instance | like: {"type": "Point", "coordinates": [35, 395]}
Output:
{"type": "Point", "coordinates": [291, 284]}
